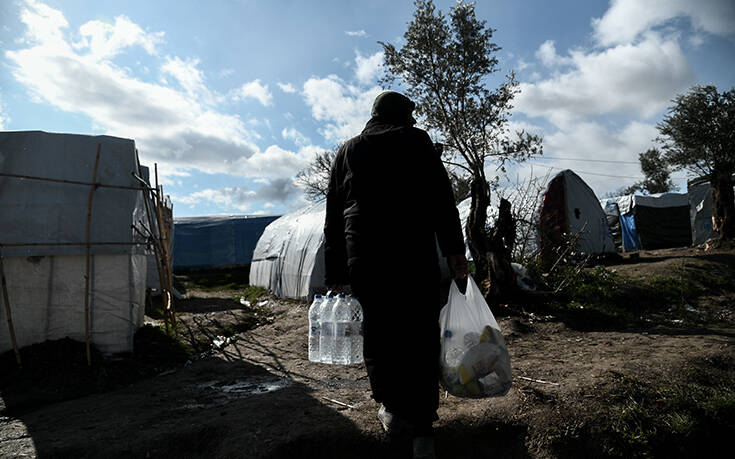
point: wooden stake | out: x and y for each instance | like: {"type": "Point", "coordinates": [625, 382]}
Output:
{"type": "Point", "coordinates": [9, 316]}
{"type": "Point", "coordinates": [89, 235]}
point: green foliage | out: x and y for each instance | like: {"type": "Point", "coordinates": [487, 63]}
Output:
{"type": "Point", "coordinates": [657, 172]}
{"type": "Point", "coordinates": [252, 293]}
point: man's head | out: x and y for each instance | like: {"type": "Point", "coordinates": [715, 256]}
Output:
{"type": "Point", "coordinates": [394, 107]}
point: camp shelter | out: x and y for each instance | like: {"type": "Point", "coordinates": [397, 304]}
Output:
{"type": "Point", "coordinates": [153, 282]}
{"type": "Point", "coordinates": [217, 241]}
{"type": "Point", "coordinates": [45, 197]}
{"type": "Point", "coordinates": [289, 257]}
{"type": "Point", "coordinates": [700, 209]}
{"type": "Point", "coordinates": [569, 208]}
{"type": "Point", "coordinates": [656, 221]}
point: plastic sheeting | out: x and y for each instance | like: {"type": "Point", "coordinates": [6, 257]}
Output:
{"type": "Point", "coordinates": [40, 212]}
{"type": "Point", "coordinates": [46, 295]}
{"type": "Point", "coordinates": [700, 213]}
{"type": "Point", "coordinates": [218, 241]}
{"type": "Point", "coordinates": [289, 256]}
{"type": "Point", "coordinates": [653, 221]}
{"type": "Point", "coordinates": [580, 212]}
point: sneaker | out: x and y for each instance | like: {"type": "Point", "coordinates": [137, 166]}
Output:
{"type": "Point", "coordinates": [423, 448]}
{"type": "Point", "coordinates": [391, 423]}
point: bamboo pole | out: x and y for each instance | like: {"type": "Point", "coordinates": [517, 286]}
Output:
{"type": "Point", "coordinates": [8, 314]}
{"type": "Point", "coordinates": [54, 244]}
{"type": "Point", "coordinates": [72, 182]}
{"type": "Point", "coordinates": [156, 248]}
{"type": "Point", "coordinates": [89, 235]}
{"type": "Point", "coordinates": [164, 253]}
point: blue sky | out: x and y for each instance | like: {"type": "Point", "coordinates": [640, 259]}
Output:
{"type": "Point", "coordinates": [233, 98]}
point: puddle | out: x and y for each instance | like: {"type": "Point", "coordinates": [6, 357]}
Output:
{"type": "Point", "coordinates": [217, 393]}
{"type": "Point", "coordinates": [250, 387]}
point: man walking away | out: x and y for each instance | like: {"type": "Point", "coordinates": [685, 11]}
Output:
{"type": "Point", "coordinates": [388, 204]}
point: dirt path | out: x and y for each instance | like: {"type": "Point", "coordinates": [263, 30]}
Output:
{"type": "Point", "coordinates": [258, 396]}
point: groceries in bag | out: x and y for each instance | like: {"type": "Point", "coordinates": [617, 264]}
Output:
{"type": "Point", "coordinates": [474, 359]}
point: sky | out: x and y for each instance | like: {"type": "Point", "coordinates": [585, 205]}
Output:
{"type": "Point", "coordinates": [232, 98]}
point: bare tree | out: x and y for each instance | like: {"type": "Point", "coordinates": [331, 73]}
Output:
{"type": "Point", "coordinates": [315, 178]}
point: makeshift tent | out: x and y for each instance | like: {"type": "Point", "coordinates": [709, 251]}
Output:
{"type": "Point", "coordinates": [218, 241]}
{"type": "Point", "coordinates": [289, 257]}
{"type": "Point", "coordinates": [569, 208]}
{"type": "Point", "coordinates": [45, 196]}
{"type": "Point", "coordinates": [700, 212]}
{"type": "Point", "coordinates": [652, 222]}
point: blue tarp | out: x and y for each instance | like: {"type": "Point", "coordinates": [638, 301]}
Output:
{"type": "Point", "coordinates": [216, 242]}
{"type": "Point", "coordinates": [630, 235]}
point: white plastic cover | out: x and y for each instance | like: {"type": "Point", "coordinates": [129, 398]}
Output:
{"type": "Point", "coordinates": [289, 256]}
{"type": "Point", "coordinates": [585, 215]}
{"type": "Point", "coordinates": [37, 212]}
{"type": "Point", "coordinates": [700, 212]}
{"type": "Point", "coordinates": [46, 295]}
{"type": "Point", "coordinates": [661, 200]}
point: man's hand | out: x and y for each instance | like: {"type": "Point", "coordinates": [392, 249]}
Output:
{"type": "Point", "coordinates": [458, 266]}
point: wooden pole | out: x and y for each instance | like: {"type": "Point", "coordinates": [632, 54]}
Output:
{"type": "Point", "coordinates": [156, 248]}
{"type": "Point", "coordinates": [71, 182]}
{"type": "Point", "coordinates": [89, 235]}
{"type": "Point", "coordinates": [9, 316]}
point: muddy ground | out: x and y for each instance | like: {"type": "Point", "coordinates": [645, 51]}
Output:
{"type": "Point", "coordinates": [645, 371]}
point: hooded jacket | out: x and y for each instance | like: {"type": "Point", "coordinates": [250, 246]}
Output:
{"type": "Point", "coordinates": [389, 199]}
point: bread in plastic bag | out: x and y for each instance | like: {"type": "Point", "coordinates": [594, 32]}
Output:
{"type": "Point", "coordinates": [474, 360]}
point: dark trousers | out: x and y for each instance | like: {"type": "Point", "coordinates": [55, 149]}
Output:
{"type": "Point", "coordinates": [401, 346]}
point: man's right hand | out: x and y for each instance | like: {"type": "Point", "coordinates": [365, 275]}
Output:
{"type": "Point", "coordinates": [458, 266]}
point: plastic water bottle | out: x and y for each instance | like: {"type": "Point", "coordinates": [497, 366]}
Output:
{"type": "Point", "coordinates": [326, 335]}
{"type": "Point", "coordinates": [314, 328]}
{"type": "Point", "coordinates": [355, 330]}
{"type": "Point", "coordinates": [342, 318]}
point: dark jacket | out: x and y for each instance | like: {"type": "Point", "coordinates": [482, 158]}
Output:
{"type": "Point", "coordinates": [389, 201]}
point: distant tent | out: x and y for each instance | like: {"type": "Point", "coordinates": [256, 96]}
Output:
{"type": "Point", "coordinates": [44, 243]}
{"type": "Point", "coordinates": [570, 207]}
{"type": "Point", "coordinates": [289, 256]}
{"type": "Point", "coordinates": [652, 222]}
{"type": "Point", "coordinates": [700, 210]}
{"type": "Point", "coordinates": [217, 241]}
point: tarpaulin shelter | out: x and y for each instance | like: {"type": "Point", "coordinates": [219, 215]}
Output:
{"type": "Point", "coordinates": [569, 208]}
{"type": "Point", "coordinates": [652, 222]}
{"type": "Point", "coordinates": [55, 189]}
{"type": "Point", "coordinates": [217, 241]}
{"type": "Point", "coordinates": [289, 257]}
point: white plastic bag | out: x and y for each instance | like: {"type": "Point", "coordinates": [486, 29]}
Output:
{"type": "Point", "coordinates": [474, 360]}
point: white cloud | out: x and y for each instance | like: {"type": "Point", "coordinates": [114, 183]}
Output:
{"type": "Point", "coordinates": [356, 33]}
{"type": "Point", "coordinates": [287, 87]}
{"type": "Point", "coordinates": [626, 20]}
{"type": "Point", "coordinates": [368, 68]}
{"type": "Point", "coordinates": [105, 40]}
{"type": "Point", "coordinates": [295, 136]}
{"type": "Point", "coordinates": [256, 90]}
{"type": "Point", "coordinates": [342, 107]}
{"type": "Point", "coordinates": [243, 199]}
{"type": "Point", "coordinates": [546, 53]}
{"type": "Point", "coordinates": [273, 162]}
{"type": "Point", "coordinates": [638, 79]}
{"type": "Point", "coordinates": [590, 141]}
{"type": "Point", "coordinates": [189, 76]}
{"type": "Point", "coordinates": [172, 127]}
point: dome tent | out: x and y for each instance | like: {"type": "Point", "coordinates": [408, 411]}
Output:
{"type": "Point", "coordinates": [570, 207]}
{"type": "Point", "coordinates": [289, 256]}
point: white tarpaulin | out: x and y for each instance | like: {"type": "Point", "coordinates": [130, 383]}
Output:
{"type": "Point", "coordinates": [43, 234]}
{"type": "Point", "coordinates": [289, 256]}
{"type": "Point", "coordinates": [46, 294]}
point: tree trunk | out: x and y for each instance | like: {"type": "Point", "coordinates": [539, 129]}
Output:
{"type": "Point", "coordinates": [502, 277]}
{"type": "Point", "coordinates": [723, 204]}
{"type": "Point", "coordinates": [476, 235]}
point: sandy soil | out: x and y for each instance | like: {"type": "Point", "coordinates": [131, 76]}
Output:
{"type": "Point", "coordinates": [259, 396]}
